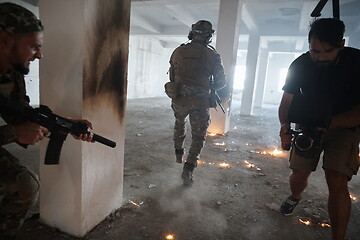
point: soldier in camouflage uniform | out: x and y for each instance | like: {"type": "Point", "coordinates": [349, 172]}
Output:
{"type": "Point", "coordinates": [20, 43]}
{"type": "Point", "coordinates": [192, 66]}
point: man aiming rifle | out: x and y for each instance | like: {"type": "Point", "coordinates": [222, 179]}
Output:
{"type": "Point", "coordinates": [20, 43]}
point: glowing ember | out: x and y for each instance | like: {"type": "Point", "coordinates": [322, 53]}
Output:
{"type": "Point", "coordinates": [134, 203]}
{"type": "Point", "coordinates": [354, 198]}
{"type": "Point", "coordinates": [250, 165]}
{"type": "Point", "coordinates": [211, 134]}
{"type": "Point", "coordinates": [235, 128]}
{"type": "Point", "coordinates": [274, 152]}
{"type": "Point", "coordinates": [170, 236]}
{"type": "Point", "coordinates": [325, 225]}
{"type": "Point", "coordinates": [220, 144]}
{"type": "Point", "coordinates": [306, 222]}
{"type": "Point", "coordinates": [224, 165]}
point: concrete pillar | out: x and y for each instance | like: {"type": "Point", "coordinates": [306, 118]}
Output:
{"type": "Point", "coordinates": [227, 40]}
{"type": "Point", "coordinates": [83, 76]}
{"type": "Point", "coordinates": [261, 77]}
{"type": "Point", "coordinates": [249, 83]}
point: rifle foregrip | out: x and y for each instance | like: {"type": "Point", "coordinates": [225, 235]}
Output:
{"type": "Point", "coordinates": [105, 141]}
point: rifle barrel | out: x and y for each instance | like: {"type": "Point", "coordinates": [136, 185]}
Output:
{"type": "Point", "coordinates": [105, 141]}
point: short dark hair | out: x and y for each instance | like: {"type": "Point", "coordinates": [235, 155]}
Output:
{"type": "Point", "coordinates": [329, 30]}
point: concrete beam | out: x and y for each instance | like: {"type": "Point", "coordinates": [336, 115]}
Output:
{"type": "Point", "coordinates": [141, 3]}
{"type": "Point", "coordinates": [182, 14]}
{"type": "Point", "coordinates": [248, 20]}
{"type": "Point", "coordinates": [140, 21]}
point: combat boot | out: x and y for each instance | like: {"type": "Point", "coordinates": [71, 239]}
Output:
{"type": "Point", "coordinates": [179, 153]}
{"type": "Point", "coordinates": [187, 174]}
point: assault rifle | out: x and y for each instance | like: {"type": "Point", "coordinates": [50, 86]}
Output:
{"type": "Point", "coordinates": [214, 97]}
{"type": "Point", "coordinates": [59, 127]}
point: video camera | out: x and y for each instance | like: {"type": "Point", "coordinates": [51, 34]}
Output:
{"type": "Point", "coordinates": [306, 141]}
{"type": "Point", "coordinates": [312, 116]}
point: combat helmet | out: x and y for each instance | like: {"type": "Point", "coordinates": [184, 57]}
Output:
{"type": "Point", "coordinates": [202, 27]}
{"type": "Point", "coordinates": [17, 19]}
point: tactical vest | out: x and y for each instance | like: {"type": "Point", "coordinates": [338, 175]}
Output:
{"type": "Point", "coordinates": [192, 65]}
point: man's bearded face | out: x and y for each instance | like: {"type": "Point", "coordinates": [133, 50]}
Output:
{"type": "Point", "coordinates": [323, 54]}
{"type": "Point", "coordinates": [26, 49]}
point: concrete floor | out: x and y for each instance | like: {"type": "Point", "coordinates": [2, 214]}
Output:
{"type": "Point", "coordinates": [238, 201]}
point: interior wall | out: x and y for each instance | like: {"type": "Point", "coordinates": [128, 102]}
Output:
{"type": "Point", "coordinates": [275, 63]}
{"type": "Point", "coordinates": [148, 66]}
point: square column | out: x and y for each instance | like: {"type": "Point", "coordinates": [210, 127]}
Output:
{"type": "Point", "coordinates": [83, 75]}
{"type": "Point", "coordinates": [227, 41]}
{"type": "Point", "coordinates": [249, 83]}
{"type": "Point", "coordinates": [261, 77]}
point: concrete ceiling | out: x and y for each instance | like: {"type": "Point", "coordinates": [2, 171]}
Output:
{"type": "Point", "coordinates": [282, 24]}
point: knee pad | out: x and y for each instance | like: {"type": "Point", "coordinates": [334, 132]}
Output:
{"type": "Point", "coordinates": [28, 185]}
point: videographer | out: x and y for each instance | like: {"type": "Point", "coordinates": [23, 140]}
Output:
{"type": "Point", "coordinates": [327, 77]}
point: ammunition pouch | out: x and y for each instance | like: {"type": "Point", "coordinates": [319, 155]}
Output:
{"type": "Point", "coordinates": [171, 89]}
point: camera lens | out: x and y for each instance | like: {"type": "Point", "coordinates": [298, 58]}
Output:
{"type": "Point", "coordinates": [303, 142]}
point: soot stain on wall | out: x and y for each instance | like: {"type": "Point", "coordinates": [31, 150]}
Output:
{"type": "Point", "coordinates": [105, 71]}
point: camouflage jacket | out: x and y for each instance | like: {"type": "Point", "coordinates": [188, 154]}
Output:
{"type": "Point", "coordinates": [191, 66]}
{"type": "Point", "coordinates": [12, 85]}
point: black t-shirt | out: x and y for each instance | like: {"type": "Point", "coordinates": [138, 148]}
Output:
{"type": "Point", "coordinates": [339, 85]}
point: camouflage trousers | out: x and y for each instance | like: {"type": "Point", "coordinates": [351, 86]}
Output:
{"type": "Point", "coordinates": [199, 121]}
{"type": "Point", "coordinates": [19, 190]}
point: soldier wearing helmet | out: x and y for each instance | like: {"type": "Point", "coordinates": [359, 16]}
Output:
{"type": "Point", "coordinates": [20, 44]}
{"type": "Point", "coordinates": [192, 66]}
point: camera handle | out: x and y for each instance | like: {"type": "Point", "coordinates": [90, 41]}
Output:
{"type": "Point", "coordinates": [336, 9]}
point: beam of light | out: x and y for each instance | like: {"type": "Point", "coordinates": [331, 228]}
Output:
{"type": "Point", "coordinates": [170, 236]}
{"type": "Point", "coordinates": [306, 222]}
{"type": "Point", "coordinates": [134, 203]}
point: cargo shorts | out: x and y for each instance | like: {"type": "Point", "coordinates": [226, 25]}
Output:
{"type": "Point", "coordinates": [339, 149]}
